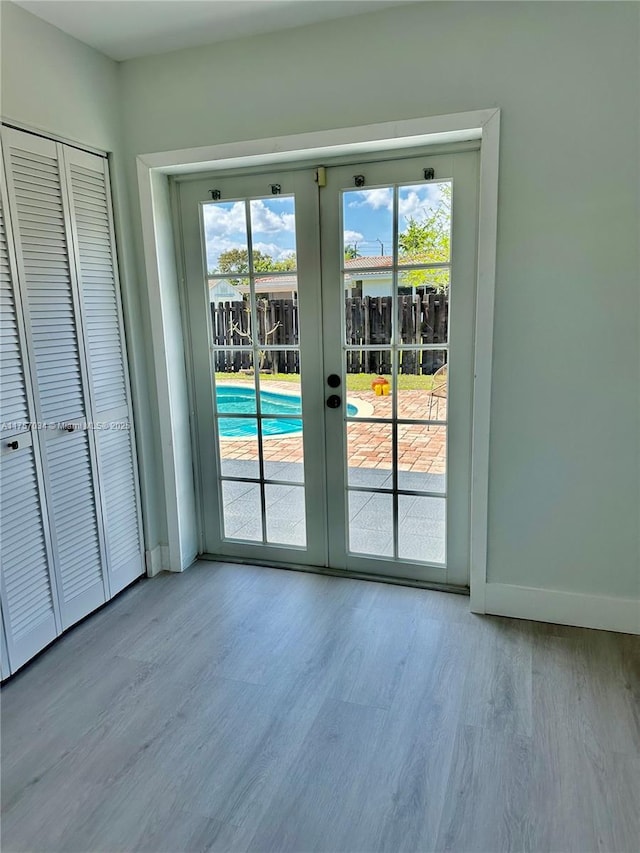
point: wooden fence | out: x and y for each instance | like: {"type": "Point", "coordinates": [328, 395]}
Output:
{"type": "Point", "coordinates": [423, 317]}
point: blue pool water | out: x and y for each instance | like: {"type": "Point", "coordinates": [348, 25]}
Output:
{"type": "Point", "coordinates": [237, 400]}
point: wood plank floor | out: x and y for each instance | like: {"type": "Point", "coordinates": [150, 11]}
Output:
{"type": "Point", "coordinates": [235, 708]}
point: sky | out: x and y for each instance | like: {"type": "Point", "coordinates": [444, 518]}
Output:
{"type": "Point", "coordinates": [367, 220]}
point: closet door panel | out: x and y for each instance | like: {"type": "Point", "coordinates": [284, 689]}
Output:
{"type": "Point", "coordinates": [43, 243]}
{"type": "Point", "coordinates": [74, 523]}
{"type": "Point", "coordinates": [88, 183]}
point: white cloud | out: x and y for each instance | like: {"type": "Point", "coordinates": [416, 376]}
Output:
{"type": "Point", "coordinates": [351, 237]}
{"type": "Point", "coordinates": [382, 197]}
{"type": "Point", "coordinates": [223, 220]}
{"type": "Point", "coordinates": [413, 204]}
{"type": "Point", "coordinates": [418, 202]}
{"type": "Point", "coordinates": [274, 251]}
{"type": "Point", "coordinates": [268, 221]}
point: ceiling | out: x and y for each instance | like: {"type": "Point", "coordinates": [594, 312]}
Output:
{"type": "Point", "coordinates": [124, 29]}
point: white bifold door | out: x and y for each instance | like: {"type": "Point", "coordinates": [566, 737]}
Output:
{"type": "Point", "coordinates": [331, 329]}
{"type": "Point", "coordinates": [70, 513]}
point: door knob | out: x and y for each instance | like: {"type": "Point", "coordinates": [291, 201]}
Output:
{"type": "Point", "coordinates": [333, 401]}
{"type": "Point", "coordinates": [333, 381]}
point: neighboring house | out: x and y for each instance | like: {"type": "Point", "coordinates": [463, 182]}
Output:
{"type": "Point", "coordinates": [360, 282]}
{"type": "Point", "coordinates": [223, 291]}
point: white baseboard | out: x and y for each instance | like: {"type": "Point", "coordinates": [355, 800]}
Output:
{"type": "Point", "coordinates": [563, 608]}
{"type": "Point", "coordinates": [157, 560]}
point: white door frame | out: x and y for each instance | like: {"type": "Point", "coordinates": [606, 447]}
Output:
{"type": "Point", "coordinates": [166, 330]}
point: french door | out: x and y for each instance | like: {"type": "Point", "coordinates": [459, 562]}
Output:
{"type": "Point", "coordinates": [330, 339]}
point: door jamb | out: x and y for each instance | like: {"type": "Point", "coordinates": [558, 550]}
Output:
{"type": "Point", "coordinates": [166, 331]}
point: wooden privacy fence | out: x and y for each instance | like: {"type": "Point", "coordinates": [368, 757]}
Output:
{"type": "Point", "coordinates": [423, 318]}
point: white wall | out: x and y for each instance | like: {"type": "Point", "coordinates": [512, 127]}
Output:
{"type": "Point", "coordinates": [565, 408]}
{"type": "Point", "coordinates": [54, 83]}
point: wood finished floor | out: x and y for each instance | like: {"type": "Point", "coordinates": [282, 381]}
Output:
{"type": "Point", "coordinates": [235, 708]}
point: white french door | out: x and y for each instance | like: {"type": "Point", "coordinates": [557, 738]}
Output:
{"type": "Point", "coordinates": [257, 364]}
{"type": "Point", "coordinates": [330, 336]}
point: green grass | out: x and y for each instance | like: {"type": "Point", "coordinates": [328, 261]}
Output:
{"type": "Point", "coordinates": [355, 381]}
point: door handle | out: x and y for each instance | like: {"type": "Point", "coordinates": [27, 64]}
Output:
{"type": "Point", "coordinates": [333, 401]}
{"type": "Point", "coordinates": [13, 445]}
{"type": "Point", "coordinates": [69, 427]}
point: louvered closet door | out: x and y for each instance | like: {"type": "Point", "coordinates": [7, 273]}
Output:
{"type": "Point", "coordinates": [29, 599]}
{"type": "Point", "coordinates": [41, 228]}
{"type": "Point", "coordinates": [88, 184]}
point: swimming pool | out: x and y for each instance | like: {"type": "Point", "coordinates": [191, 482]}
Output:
{"type": "Point", "coordinates": [234, 399]}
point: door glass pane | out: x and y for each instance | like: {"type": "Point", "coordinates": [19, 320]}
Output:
{"type": "Point", "coordinates": [424, 223]}
{"type": "Point", "coordinates": [422, 457]}
{"type": "Point", "coordinates": [367, 235]}
{"type": "Point", "coordinates": [421, 529]}
{"type": "Point", "coordinates": [238, 446]}
{"type": "Point", "coordinates": [233, 369]}
{"type": "Point", "coordinates": [423, 306]}
{"type": "Point", "coordinates": [225, 235]}
{"type": "Point", "coordinates": [283, 450]}
{"type": "Point", "coordinates": [368, 308]}
{"type": "Point", "coordinates": [371, 523]}
{"type": "Point", "coordinates": [242, 514]}
{"type": "Point", "coordinates": [285, 515]}
{"type": "Point", "coordinates": [422, 384]}
{"type": "Point", "coordinates": [235, 391]}
{"type": "Point", "coordinates": [273, 234]}
{"type": "Point", "coordinates": [277, 310]}
{"type": "Point", "coordinates": [230, 302]}
{"type": "Point", "coordinates": [369, 454]}
{"type": "Point", "coordinates": [369, 392]}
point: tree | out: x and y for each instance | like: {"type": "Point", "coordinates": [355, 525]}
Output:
{"type": "Point", "coordinates": [350, 252]}
{"type": "Point", "coordinates": [284, 265]}
{"type": "Point", "coordinates": [428, 241]}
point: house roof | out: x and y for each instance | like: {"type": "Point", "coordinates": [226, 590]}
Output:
{"type": "Point", "coordinates": [369, 261]}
